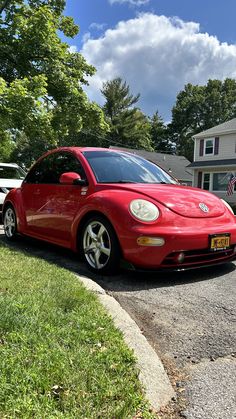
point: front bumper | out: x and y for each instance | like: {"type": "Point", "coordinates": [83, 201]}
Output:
{"type": "Point", "coordinates": [193, 244]}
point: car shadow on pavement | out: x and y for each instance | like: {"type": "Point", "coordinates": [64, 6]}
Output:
{"type": "Point", "coordinates": [124, 281]}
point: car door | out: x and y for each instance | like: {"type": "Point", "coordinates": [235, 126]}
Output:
{"type": "Point", "coordinates": [50, 207]}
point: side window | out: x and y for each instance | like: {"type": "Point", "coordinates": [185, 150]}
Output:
{"type": "Point", "coordinates": [67, 162]}
{"type": "Point", "coordinates": [41, 172]}
{"type": "Point", "coordinates": [49, 169]}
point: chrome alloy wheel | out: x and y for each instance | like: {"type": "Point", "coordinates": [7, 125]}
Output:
{"type": "Point", "coordinates": [96, 245]}
{"type": "Point", "coordinates": [10, 223]}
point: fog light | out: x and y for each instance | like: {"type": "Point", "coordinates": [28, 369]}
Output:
{"type": "Point", "coordinates": [180, 257]}
{"type": "Point", "coordinates": [150, 241]}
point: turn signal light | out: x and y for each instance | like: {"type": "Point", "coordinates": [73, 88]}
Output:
{"type": "Point", "coordinates": [150, 241]}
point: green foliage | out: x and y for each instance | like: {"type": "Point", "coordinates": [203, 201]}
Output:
{"type": "Point", "coordinates": [43, 104]}
{"type": "Point", "coordinates": [198, 108]}
{"type": "Point", "coordinates": [61, 356]}
{"type": "Point", "coordinates": [160, 135]}
{"type": "Point", "coordinates": [6, 147]}
{"type": "Point", "coordinates": [118, 97]}
{"type": "Point", "coordinates": [129, 127]}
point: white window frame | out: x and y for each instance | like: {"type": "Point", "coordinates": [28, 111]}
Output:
{"type": "Point", "coordinates": [213, 146]}
{"type": "Point", "coordinates": [211, 180]}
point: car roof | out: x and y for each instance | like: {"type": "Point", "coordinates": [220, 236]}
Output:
{"type": "Point", "coordinates": [78, 150]}
{"type": "Point", "coordinates": [75, 148]}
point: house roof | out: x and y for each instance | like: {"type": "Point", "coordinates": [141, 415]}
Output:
{"type": "Point", "coordinates": [225, 128]}
{"type": "Point", "coordinates": [176, 165]}
{"type": "Point", "coordinates": [213, 163]}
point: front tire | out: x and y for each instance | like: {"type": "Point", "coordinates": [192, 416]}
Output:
{"type": "Point", "coordinates": [10, 223]}
{"type": "Point", "coordinates": [99, 246]}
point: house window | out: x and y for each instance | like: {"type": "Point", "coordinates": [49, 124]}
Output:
{"type": "Point", "coordinates": [206, 181]}
{"type": "Point", "coordinates": [215, 182]}
{"type": "Point", "coordinates": [209, 146]}
{"type": "Point", "coordinates": [220, 181]}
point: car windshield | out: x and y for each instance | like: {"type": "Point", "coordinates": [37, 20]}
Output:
{"type": "Point", "coordinates": [10, 172]}
{"type": "Point", "coordinates": [114, 167]}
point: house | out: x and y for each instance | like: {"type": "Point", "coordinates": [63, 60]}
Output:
{"type": "Point", "coordinates": [215, 159]}
{"type": "Point", "coordinates": [175, 165]}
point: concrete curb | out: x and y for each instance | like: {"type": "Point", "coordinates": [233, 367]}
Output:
{"type": "Point", "coordinates": [152, 373]}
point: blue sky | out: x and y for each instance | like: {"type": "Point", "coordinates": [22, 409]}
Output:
{"type": "Point", "coordinates": [157, 46]}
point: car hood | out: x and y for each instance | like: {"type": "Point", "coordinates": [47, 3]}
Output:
{"type": "Point", "coordinates": [186, 201]}
{"type": "Point", "coordinates": [10, 183]}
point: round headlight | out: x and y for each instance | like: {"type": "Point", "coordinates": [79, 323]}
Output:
{"type": "Point", "coordinates": [227, 205]}
{"type": "Point", "coordinates": [144, 210]}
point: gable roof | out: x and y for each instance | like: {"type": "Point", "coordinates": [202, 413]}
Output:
{"type": "Point", "coordinates": [225, 128]}
{"type": "Point", "coordinates": [176, 165]}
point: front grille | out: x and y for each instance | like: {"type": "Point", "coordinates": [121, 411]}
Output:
{"type": "Point", "coordinates": [198, 258]}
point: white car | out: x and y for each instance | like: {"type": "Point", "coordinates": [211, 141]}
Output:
{"type": "Point", "coordinates": [11, 176]}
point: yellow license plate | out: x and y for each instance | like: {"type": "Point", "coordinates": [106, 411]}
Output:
{"type": "Point", "coordinates": [219, 242]}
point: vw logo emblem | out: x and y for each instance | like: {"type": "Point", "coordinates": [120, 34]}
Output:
{"type": "Point", "coordinates": [203, 207]}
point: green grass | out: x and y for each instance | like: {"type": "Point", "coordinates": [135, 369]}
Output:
{"type": "Point", "coordinates": [60, 354]}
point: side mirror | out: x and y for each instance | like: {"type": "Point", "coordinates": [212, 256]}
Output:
{"type": "Point", "coordinates": [72, 178]}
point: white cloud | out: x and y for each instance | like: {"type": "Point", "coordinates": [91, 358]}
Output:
{"type": "Point", "coordinates": [97, 26]}
{"type": "Point", "coordinates": [132, 2]}
{"type": "Point", "coordinates": [157, 56]}
{"type": "Point", "coordinates": [92, 27]}
{"type": "Point", "coordinates": [86, 37]}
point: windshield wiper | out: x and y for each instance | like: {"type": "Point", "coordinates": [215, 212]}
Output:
{"type": "Point", "coordinates": [126, 181]}
{"type": "Point", "coordinates": [119, 181]}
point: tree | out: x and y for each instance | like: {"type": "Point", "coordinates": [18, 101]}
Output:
{"type": "Point", "coordinates": [198, 108]}
{"type": "Point", "coordinates": [129, 127]}
{"type": "Point", "coordinates": [220, 102]}
{"type": "Point", "coordinates": [160, 135]}
{"type": "Point", "coordinates": [24, 117]}
{"type": "Point", "coordinates": [6, 147]}
{"type": "Point", "coordinates": [50, 106]}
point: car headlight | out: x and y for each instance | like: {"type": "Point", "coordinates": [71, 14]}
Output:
{"type": "Point", "coordinates": [227, 205]}
{"type": "Point", "coordinates": [144, 210]}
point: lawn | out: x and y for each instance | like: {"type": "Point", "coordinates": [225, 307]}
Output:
{"type": "Point", "coordinates": [60, 354]}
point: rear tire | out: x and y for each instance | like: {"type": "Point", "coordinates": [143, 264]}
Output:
{"type": "Point", "coordinates": [99, 246]}
{"type": "Point", "coordinates": [10, 223]}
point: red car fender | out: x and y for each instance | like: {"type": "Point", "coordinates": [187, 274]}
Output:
{"type": "Point", "coordinates": [14, 198]}
{"type": "Point", "coordinates": [115, 207]}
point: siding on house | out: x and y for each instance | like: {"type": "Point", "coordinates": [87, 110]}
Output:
{"type": "Point", "coordinates": [212, 171]}
{"type": "Point", "coordinates": [226, 150]}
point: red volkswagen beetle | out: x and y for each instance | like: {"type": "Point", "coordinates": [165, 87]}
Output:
{"type": "Point", "coordinates": [110, 205]}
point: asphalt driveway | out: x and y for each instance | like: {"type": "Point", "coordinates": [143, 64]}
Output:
{"type": "Point", "coordinates": [190, 319]}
